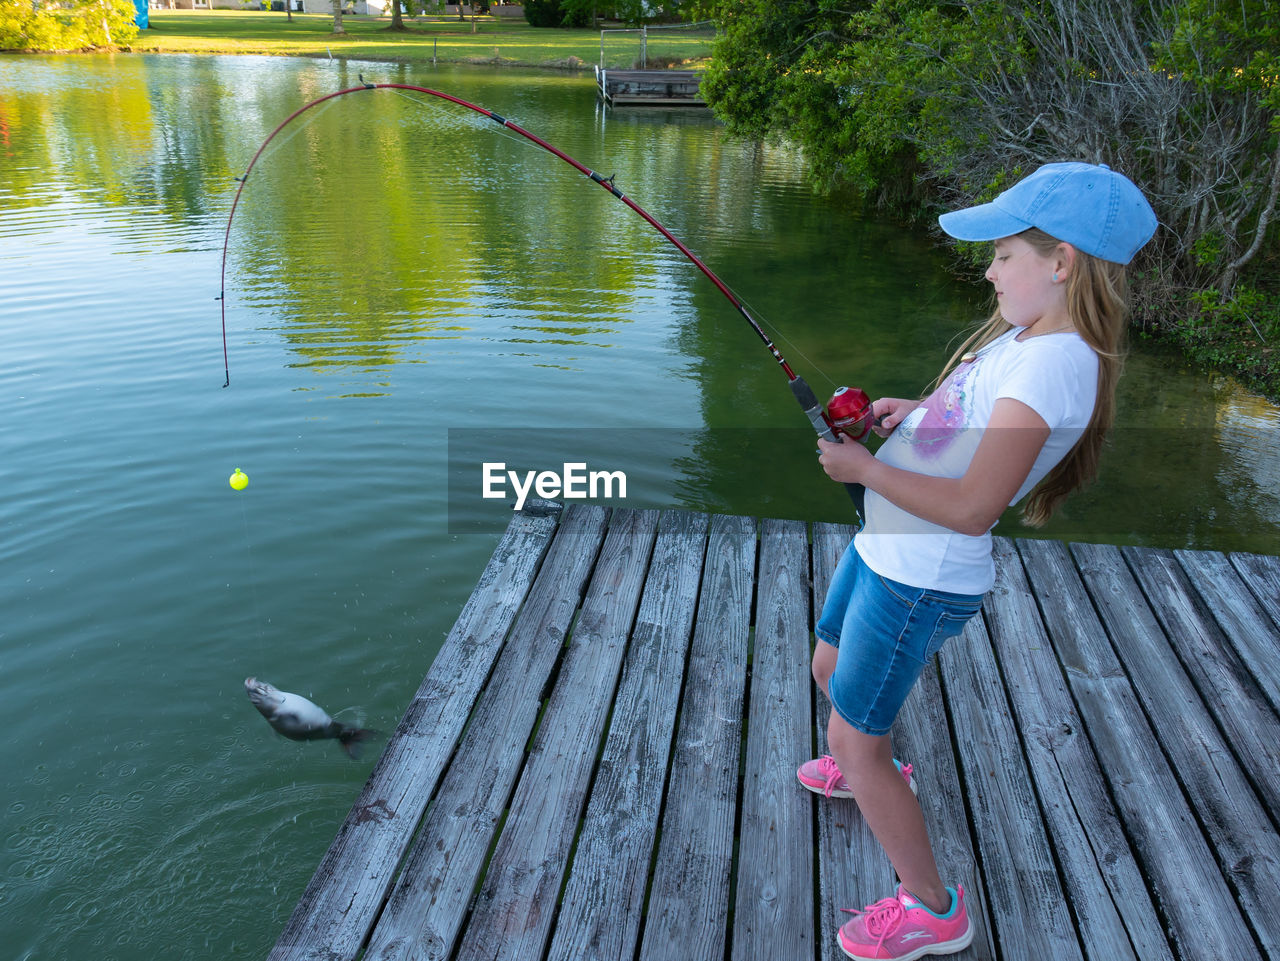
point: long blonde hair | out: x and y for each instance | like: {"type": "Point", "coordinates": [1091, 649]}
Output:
{"type": "Point", "coordinates": [1096, 301]}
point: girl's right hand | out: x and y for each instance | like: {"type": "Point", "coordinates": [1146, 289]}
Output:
{"type": "Point", "coordinates": [889, 412]}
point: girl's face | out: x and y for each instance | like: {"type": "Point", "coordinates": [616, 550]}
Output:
{"type": "Point", "coordinates": [1025, 289]}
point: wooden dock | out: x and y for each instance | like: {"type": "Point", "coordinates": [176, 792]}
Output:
{"type": "Point", "coordinates": [649, 88]}
{"type": "Point", "coordinates": [600, 762]}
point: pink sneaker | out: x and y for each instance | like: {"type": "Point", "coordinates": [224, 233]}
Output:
{"type": "Point", "coordinates": [822, 776]}
{"type": "Point", "coordinates": [902, 928]}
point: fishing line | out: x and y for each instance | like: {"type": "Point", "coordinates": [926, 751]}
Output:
{"type": "Point", "coordinates": [253, 569]}
{"type": "Point", "coordinates": [302, 128]}
{"type": "Point", "coordinates": [792, 346]}
{"type": "Point", "coordinates": [818, 416]}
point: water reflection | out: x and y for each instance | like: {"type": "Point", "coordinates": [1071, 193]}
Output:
{"type": "Point", "coordinates": [385, 228]}
{"type": "Point", "coordinates": [1247, 431]}
{"type": "Point", "coordinates": [389, 223]}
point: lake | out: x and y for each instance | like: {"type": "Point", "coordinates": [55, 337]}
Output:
{"type": "Point", "coordinates": [410, 291]}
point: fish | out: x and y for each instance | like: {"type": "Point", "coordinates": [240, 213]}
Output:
{"type": "Point", "coordinates": [301, 720]}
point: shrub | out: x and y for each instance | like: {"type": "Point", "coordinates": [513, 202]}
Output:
{"type": "Point", "coordinates": [71, 25]}
{"type": "Point", "coordinates": [551, 13]}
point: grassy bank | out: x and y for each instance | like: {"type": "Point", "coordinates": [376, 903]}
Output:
{"type": "Point", "coordinates": [487, 40]}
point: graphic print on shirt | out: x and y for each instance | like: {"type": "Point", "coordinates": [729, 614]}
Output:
{"type": "Point", "coordinates": [936, 423]}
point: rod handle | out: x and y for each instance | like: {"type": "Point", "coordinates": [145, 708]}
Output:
{"type": "Point", "coordinates": [813, 410]}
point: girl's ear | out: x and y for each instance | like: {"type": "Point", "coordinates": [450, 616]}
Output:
{"type": "Point", "coordinates": [1064, 259]}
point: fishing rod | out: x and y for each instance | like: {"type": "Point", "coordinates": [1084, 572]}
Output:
{"type": "Point", "coordinates": [848, 413]}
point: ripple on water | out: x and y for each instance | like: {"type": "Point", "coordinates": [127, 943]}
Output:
{"type": "Point", "coordinates": [163, 847]}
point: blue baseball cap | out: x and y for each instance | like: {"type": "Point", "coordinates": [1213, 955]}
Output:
{"type": "Point", "coordinates": [1092, 208]}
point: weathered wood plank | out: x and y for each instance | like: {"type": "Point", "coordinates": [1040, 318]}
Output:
{"type": "Point", "coordinates": [1238, 613]}
{"type": "Point", "coordinates": [656, 76]}
{"type": "Point", "coordinates": [340, 904]}
{"type": "Point", "coordinates": [1025, 898]}
{"type": "Point", "coordinates": [1169, 842]}
{"type": "Point", "coordinates": [1262, 573]}
{"type": "Point", "coordinates": [600, 913]}
{"type": "Point", "coordinates": [853, 870]}
{"type": "Point", "coordinates": [773, 915]}
{"type": "Point", "coordinates": [1220, 675]}
{"type": "Point", "coordinates": [425, 908]}
{"type": "Point", "coordinates": [1222, 678]}
{"type": "Point", "coordinates": [923, 737]}
{"type": "Point", "coordinates": [690, 891]}
{"type": "Point", "coordinates": [512, 917]}
{"type": "Point", "coordinates": [1109, 896]}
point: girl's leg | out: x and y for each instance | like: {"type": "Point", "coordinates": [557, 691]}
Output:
{"type": "Point", "coordinates": [889, 808]}
{"type": "Point", "coordinates": [824, 664]}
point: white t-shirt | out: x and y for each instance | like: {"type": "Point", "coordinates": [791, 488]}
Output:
{"type": "Point", "coordinates": [1056, 375]}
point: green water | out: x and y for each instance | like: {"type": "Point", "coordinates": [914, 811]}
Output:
{"type": "Point", "coordinates": [401, 273]}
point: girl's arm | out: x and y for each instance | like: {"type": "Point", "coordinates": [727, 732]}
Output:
{"type": "Point", "coordinates": [970, 504]}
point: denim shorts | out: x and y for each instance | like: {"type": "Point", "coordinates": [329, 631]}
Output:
{"type": "Point", "coordinates": [885, 633]}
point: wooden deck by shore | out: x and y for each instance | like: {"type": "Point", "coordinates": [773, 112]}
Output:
{"type": "Point", "coordinates": [649, 88]}
{"type": "Point", "coordinates": [600, 762]}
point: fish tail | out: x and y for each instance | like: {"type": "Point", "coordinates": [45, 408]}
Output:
{"type": "Point", "coordinates": [352, 739]}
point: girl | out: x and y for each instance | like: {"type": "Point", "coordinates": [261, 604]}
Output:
{"type": "Point", "coordinates": [1023, 407]}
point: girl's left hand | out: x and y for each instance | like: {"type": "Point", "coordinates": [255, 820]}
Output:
{"type": "Point", "coordinates": [843, 462]}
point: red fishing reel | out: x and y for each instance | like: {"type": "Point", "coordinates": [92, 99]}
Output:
{"type": "Point", "coordinates": [849, 413]}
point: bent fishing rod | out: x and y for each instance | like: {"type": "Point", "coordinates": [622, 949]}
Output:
{"type": "Point", "coordinates": [848, 413]}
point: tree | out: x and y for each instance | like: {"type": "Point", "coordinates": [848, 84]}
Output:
{"type": "Point", "coordinates": [337, 17]}
{"type": "Point", "coordinates": [554, 13]}
{"type": "Point", "coordinates": [71, 25]}
{"type": "Point", "coordinates": [585, 12]}
{"type": "Point", "coordinates": [397, 20]}
{"type": "Point", "coordinates": [634, 12]}
{"type": "Point", "coordinates": [1230, 53]}
{"type": "Point", "coordinates": [788, 69]}
{"type": "Point", "coordinates": [924, 103]}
